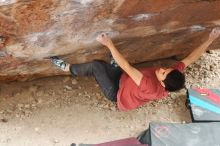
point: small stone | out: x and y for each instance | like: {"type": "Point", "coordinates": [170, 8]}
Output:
{"type": "Point", "coordinates": [74, 82]}
{"type": "Point", "coordinates": [113, 108]}
{"type": "Point", "coordinates": [17, 116]}
{"type": "Point", "coordinates": [20, 105]}
{"type": "Point", "coordinates": [66, 79]}
{"type": "Point", "coordinates": [9, 111]}
{"type": "Point", "coordinates": [27, 113]}
{"type": "Point", "coordinates": [17, 94]}
{"type": "Point", "coordinates": [8, 140]}
{"type": "Point", "coordinates": [131, 127]}
{"type": "Point", "coordinates": [210, 51]}
{"type": "Point", "coordinates": [27, 106]}
{"type": "Point", "coordinates": [39, 100]}
{"type": "Point", "coordinates": [4, 120]}
{"type": "Point", "coordinates": [105, 106]}
{"type": "Point", "coordinates": [68, 87]}
{"type": "Point", "coordinates": [51, 93]}
{"type": "Point", "coordinates": [36, 129]}
{"type": "Point", "coordinates": [56, 141]}
{"type": "Point", "coordinates": [33, 88]}
{"type": "Point", "coordinates": [154, 113]}
{"type": "Point", "coordinates": [40, 93]}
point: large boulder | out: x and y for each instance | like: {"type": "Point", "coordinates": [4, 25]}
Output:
{"type": "Point", "coordinates": [33, 30]}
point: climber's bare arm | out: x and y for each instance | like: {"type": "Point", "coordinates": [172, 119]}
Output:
{"type": "Point", "coordinates": [135, 74]}
{"type": "Point", "coordinates": [192, 57]}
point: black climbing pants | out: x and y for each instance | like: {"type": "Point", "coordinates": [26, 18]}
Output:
{"type": "Point", "coordinates": [106, 75]}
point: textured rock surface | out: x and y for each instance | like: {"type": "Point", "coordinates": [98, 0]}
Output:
{"type": "Point", "coordinates": [31, 31]}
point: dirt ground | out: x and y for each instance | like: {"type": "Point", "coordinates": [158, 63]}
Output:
{"type": "Point", "coordinates": [58, 111]}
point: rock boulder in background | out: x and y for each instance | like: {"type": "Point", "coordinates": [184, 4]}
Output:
{"type": "Point", "coordinates": [33, 30]}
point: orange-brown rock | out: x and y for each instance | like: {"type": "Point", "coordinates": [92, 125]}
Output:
{"type": "Point", "coordinates": [32, 31]}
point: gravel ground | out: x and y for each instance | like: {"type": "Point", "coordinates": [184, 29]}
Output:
{"type": "Point", "coordinates": [57, 111]}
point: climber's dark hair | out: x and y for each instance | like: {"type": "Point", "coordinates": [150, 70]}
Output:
{"type": "Point", "coordinates": [174, 81]}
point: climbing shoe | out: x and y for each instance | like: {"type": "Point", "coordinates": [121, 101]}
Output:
{"type": "Point", "coordinates": [59, 62]}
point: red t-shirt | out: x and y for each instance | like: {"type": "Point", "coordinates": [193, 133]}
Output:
{"type": "Point", "coordinates": [131, 96]}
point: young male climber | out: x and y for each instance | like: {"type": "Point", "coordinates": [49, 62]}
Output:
{"type": "Point", "coordinates": [131, 87]}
